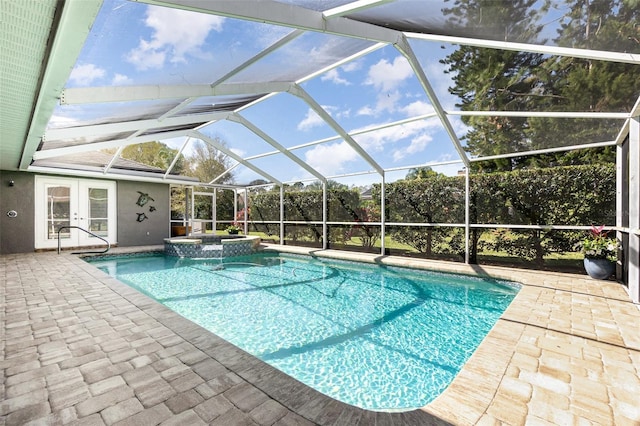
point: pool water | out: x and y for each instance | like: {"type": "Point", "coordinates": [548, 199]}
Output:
{"type": "Point", "coordinates": [380, 338]}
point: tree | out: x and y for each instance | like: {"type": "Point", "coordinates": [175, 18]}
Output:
{"type": "Point", "coordinates": [331, 185]}
{"type": "Point", "coordinates": [435, 199]}
{"type": "Point", "coordinates": [156, 154]}
{"type": "Point", "coordinates": [491, 79]}
{"type": "Point", "coordinates": [487, 79]}
{"type": "Point", "coordinates": [208, 163]}
{"type": "Point", "coordinates": [421, 173]}
{"type": "Point", "coordinates": [589, 85]}
{"type": "Point", "coordinates": [257, 188]}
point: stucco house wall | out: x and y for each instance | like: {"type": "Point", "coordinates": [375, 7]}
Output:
{"type": "Point", "coordinates": [16, 233]}
{"type": "Point", "coordinates": [146, 224]}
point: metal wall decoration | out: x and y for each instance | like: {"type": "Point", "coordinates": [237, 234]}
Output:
{"type": "Point", "coordinates": [143, 199]}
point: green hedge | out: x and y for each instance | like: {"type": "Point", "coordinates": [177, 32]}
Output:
{"type": "Point", "coordinates": [573, 195]}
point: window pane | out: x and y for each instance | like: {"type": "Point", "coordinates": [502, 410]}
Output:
{"type": "Point", "coordinates": [58, 211]}
{"type": "Point", "coordinates": [98, 211]}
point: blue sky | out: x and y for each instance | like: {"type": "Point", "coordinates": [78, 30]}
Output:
{"type": "Point", "coordinates": [137, 44]}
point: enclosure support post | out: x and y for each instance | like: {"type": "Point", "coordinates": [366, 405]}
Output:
{"type": "Point", "coordinates": [324, 215]}
{"type": "Point", "coordinates": [281, 214]}
{"type": "Point", "coordinates": [193, 213]}
{"type": "Point", "coordinates": [622, 207]}
{"type": "Point", "coordinates": [214, 210]}
{"type": "Point", "coordinates": [382, 216]}
{"type": "Point", "coordinates": [633, 257]}
{"type": "Point", "coordinates": [246, 214]}
{"type": "Point", "coordinates": [466, 215]}
{"type": "Point", "coordinates": [235, 205]}
{"type": "Point", "coordinates": [185, 219]}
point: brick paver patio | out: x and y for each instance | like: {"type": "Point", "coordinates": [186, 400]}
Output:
{"type": "Point", "coordinates": [79, 347]}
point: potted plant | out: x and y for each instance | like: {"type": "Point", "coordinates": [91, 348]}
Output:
{"type": "Point", "coordinates": [600, 253]}
{"type": "Point", "coordinates": [233, 229]}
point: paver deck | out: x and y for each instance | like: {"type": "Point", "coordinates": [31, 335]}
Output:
{"type": "Point", "coordinates": [79, 347]}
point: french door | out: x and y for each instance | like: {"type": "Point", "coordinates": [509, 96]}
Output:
{"type": "Point", "coordinates": [63, 203]}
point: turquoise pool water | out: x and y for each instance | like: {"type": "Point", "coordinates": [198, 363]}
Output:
{"type": "Point", "coordinates": [380, 338]}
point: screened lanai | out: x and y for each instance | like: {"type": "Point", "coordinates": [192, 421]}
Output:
{"type": "Point", "coordinates": [290, 94]}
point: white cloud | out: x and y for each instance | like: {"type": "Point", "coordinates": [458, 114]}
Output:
{"type": "Point", "coordinates": [334, 76]}
{"type": "Point", "coordinates": [239, 152]}
{"type": "Point", "coordinates": [346, 113]}
{"type": "Point", "coordinates": [144, 57]}
{"type": "Point", "coordinates": [441, 81]}
{"type": "Point", "coordinates": [310, 121]}
{"type": "Point", "coordinates": [388, 76]}
{"type": "Point", "coordinates": [352, 66]}
{"type": "Point", "coordinates": [85, 74]}
{"type": "Point", "coordinates": [417, 108]}
{"type": "Point", "coordinates": [366, 110]}
{"type": "Point", "coordinates": [176, 34]}
{"type": "Point", "coordinates": [385, 102]}
{"type": "Point", "coordinates": [417, 145]}
{"type": "Point", "coordinates": [120, 79]}
{"type": "Point", "coordinates": [419, 134]}
{"type": "Point", "coordinates": [330, 159]}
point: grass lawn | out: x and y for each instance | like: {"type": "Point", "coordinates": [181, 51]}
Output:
{"type": "Point", "coordinates": [561, 262]}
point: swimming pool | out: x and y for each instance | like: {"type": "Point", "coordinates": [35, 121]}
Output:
{"type": "Point", "coordinates": [380, 338]}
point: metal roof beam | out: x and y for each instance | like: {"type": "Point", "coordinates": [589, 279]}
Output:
{"type": "Point", "coordinates": [600, 55]}
{"type": "Point", "coordinates": [406, 50]}
{"type": "Point", "coordinates": [302, 94]}
{"type": "Point", "coordinates": [69, 36]}
{"type": "Point", "coordinates": [226, 150]}
{"type": "Point", "coordinates": [121, 174]}
{"type": "Point", "coordinates": [176, 109]}
{"type": "Point", "coordinates": [635, 111]}
{"type": "Point", "coordinates": [353, 7]}
{"type": "Point", "coordinates": [237, 118]}
{"type": "Point", "coordinates": [351, 133]}
{"type": "Point", "coordinates": [547, 114]}
{"type": "Point", "coordinates": [130, 126]}
{"type": "Point", "coordinates": [116, 143]}
{"type": "Point", "coordinates": [92, 95]}
{"type": "Point", "coordinates": [113, 160]}
{"type": "Point", "coordinates": [623, 133]}
{"type": "Point", "coordinates": [177, 157]}
{"type": "Point", "coordinates": [343, 61]}
{"type": "Point", "coordinates": [287, 15]}
{"type": "Point", "coordinates": [229, 170]}
{"type": "Point", "coordinates": [543, 151]}
{"type": "Point", "coordinates": [283, 41]}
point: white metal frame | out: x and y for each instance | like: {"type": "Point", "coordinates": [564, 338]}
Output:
{"type": "Point", "coordinates": [74, 26]}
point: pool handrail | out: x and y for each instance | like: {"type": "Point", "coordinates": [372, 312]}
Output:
{"type": "Point", "coordinates": [88, 232]}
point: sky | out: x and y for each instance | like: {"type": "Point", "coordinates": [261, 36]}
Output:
{"type": "Point", "coordinates": [138, 44]}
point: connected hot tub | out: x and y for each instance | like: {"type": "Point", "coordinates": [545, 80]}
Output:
{"type": "Point", "coordinates": [211, 246]}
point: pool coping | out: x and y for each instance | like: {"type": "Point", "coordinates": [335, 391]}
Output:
{"type": "Point", "coordinates": [566, 350]}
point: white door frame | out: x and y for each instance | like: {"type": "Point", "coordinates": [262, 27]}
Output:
{"type": "Point", "coordinates": [79, 208]}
